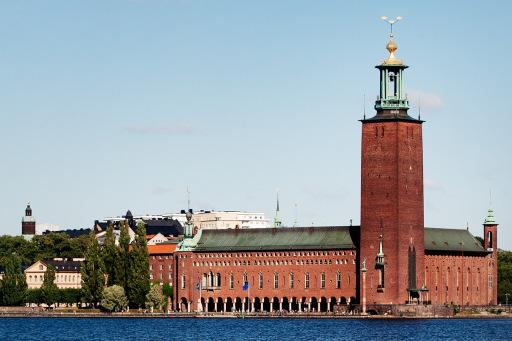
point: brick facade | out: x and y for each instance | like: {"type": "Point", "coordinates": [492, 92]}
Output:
{"type": "Point", "coordinates": [161, 262]}
{"type": "Point", "coordinates": [278, 280]}
{"type": "Point", "coordinates": [451, 278]}
{"type": "Point", "coordinates": [392, 206]}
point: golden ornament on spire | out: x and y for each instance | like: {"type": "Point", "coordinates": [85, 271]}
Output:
{"type": "Point", "coordinates": [391, 45]}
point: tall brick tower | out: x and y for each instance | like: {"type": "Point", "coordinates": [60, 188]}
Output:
{"type": "Point", "coordinates": [28, 223]}
{"type": "Point", "coordinates": [491, 245]}
{"type": "Point", "coordinates": [392, 192]}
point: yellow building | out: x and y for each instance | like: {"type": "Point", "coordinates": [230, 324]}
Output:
{"type": "Point", "coordinates": [67, 273]}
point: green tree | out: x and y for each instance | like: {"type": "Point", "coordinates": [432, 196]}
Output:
{"type": "Point", "coordinates": [124, 255]}
{"type": "Point", "coordinates": [19, 245]}
{"type": "Point", "coordinates": [504, 276]}
{"type": "Point", "coordinates": [168, 292]}
{"type": "Point", "coordinates": [114, 299]}
{"type": "Point", "coordinates": [93, 279]}
{"type": "Point", "coordinates": [13, 286]}
{"type": "Point", "coordinates": [49, 290]}
{"type": "Point", "coordinates": [111, 258]}
{"type": "Point", "coordinates": [70, 296]}
{"type": "Point", "coordinates": [138, 275]}
{"type": "Point", "coordinates": [33, 296]}
{"type": "Point", "coordinates": [155, 297]}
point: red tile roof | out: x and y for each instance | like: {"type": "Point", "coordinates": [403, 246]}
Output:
{"type": "Point", "coordinates": [161, 249]}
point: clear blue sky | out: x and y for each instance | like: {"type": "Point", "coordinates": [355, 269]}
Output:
{"type": "Point", "coordinates": [113, 105]}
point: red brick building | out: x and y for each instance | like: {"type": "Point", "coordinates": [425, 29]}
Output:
{"type": "Point", "coordinates": [391, 259]}
{"type": "Point", "coordinates": [161, 262]}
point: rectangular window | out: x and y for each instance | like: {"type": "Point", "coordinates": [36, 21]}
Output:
{"type": "Point", "coordinates": [260, 280]}
{"type": "Point", "coordinates": [183, 281]}
{"type": "Point", "coordinates": [291, 280]}
{"type": "Point", "coordinates": [490, 280]}
{"type": "Point", "coordinates": [231, 281]}
{"type": "Point", "coordinates": [338, 280]}
{"type": "Point", "coordinates": [276, 281]}
{"type": "Point", "coordinates": [322, 280]}
{"type": "Point", "coordinates": [306, 280]}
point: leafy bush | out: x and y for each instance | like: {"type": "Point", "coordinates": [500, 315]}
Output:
{"type": "Point", "coordinates": [114, 299]}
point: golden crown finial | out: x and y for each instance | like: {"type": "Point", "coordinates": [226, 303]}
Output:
{"type": "Point", "coordinates": [391, 46]}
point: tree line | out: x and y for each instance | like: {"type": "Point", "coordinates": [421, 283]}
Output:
{"type": "Point", "coordinates": [115, 276]}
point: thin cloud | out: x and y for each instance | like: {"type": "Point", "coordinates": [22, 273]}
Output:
{"type": "Point", "coordinates": [165, 129]}
{"type": "Point", "coordinates": [427, 100]}
{"type": "Point", "coordinates": [433, 185]}
{"type": "Point", "coordinates": [161, 190]}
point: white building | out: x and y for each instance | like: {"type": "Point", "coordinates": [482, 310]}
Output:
{"type": "Point", "coordinates": [214, 220]}
{"type": "Point", "coordinates": [203, 219]}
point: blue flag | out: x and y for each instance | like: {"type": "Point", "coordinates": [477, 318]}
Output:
{"type": "Point", "coordinates": [246, 286]}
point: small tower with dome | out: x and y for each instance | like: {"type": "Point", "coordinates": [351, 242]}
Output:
{"type": "Point", "coordinates": [28, 223]}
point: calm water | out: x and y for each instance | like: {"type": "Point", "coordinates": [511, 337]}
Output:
{"type": "Point", "coordinates": [251, 329]}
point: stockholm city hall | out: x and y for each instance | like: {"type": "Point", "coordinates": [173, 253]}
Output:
{"type": "Point", "coordinates": [391, 259]}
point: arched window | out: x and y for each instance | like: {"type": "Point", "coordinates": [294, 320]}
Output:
{"type": "Point", "coordinates": [291, 280]}
{"type": "Point", "coordinates": [260, 280]}
{"type": "Point", "coordinates": [489, 239]}
{"type": "Point", "coordinates": [276, 280]}
{"type": "Point", "coordinates": [338, 280]}
{"type": "Point", "coordinates": [306, 280]}
{"type": "Point", "coordinates": [218, 280]}
{"type": "Point", "coordinates": [322, 280]}
{"type": "Point", "coordinates": [231, 281]}
{"type": "Point", "coordinates": [245, 278]}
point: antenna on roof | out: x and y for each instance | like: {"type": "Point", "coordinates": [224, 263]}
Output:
{"type": "Point", "coordinates": [188, 198]}
{"type": "Point", "coordinates": [467, 226]}
{"type": "Point", "coordinates": [490, 198]}
{"type": "Point", "coordinates": [419, 107]}
{"type": "Point", "coordinates": [296, 214]}
{"type": "Point", "coordinates": [364, 106]}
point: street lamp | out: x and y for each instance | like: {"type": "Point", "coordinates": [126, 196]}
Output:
{"type": "Point", "coordinates": [506, 301]}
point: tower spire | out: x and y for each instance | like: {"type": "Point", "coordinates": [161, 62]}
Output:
{"type": "Point", "coordinates": [392, 102]}
{"type": "Point", "coordinates": [277, 219]}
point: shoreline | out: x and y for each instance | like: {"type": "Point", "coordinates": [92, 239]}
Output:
{"type": "Point", "coordinates": [237, 316]}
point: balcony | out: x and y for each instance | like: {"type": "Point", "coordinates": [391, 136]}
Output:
{"type": "Point", "coordinates": [210, 288]}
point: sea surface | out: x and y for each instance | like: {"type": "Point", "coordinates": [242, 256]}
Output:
{"type": "Point", "coordinates": [252, 329]}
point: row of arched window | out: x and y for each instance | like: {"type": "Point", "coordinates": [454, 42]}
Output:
{"type": "Point", "coordinates": [273, 262]}
{"type": "Point", "coordinates": [58, 278]}
{"type": "Point", "coordinates": [275, 254]}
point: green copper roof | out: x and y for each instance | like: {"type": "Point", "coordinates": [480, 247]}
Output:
{"type": "Point", "coordinates": [489, 220]}
{"type": "Point", "coordinates": [450, 240]}
{"type": "Point", "coordinates": [320, 238]}
{"type": "Point", "coordinates": [303, 238]}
